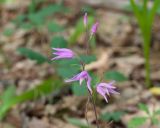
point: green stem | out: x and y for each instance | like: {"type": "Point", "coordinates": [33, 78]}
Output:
{"type": "Point", "coordinates": [146, 49]}
{"type": "Point", "coordinates": [94, 107]}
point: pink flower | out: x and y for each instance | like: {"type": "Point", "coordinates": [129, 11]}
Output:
{"type": "Point", "coordinates": [94, 28]}
{"type": "Point", "coordinates": [105, 89]}
{"type": "Point", "coordinates": [80, 77]}
{"type": "Point", "coordinates": [62, 53]}
{"type": "Point", "coordinates": [85, 19]}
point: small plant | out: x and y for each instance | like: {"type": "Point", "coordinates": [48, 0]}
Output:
{"type": "Point", "coordinates": [152, 116]}
{"type": "Point", "coordinates": [102, 88]}
{"type": "Point", "coordinates": [75, 65]}
{"type": "Point", "coordinates": [145, 17]}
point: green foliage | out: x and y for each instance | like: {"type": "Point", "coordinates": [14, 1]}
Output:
{"type": "Point", "coordinates": [58, 42]}
{"type": "Point", "coordinates": [51, 10]}
{"type": "Point", "coordinates": [88, 58]}
{"type": "Point", "coordinates": [138, 121]}
{"type": "Point", "coordinates": [88, 9]}
{"type": "Point", "coordinates": [54, 27]}
{"type": "Point", "coordinates": [6, 96]}
{"type": "Point", "coordinates": [7, 1]}
{"type": "Point", "coordinates": [68, 71]}
{"type": "Point", "coordinates": [145, 17]}
{"type": "Point", "coordinates": [9, 99]}
{"type": "Point", "coordinates": [79, 90]}
{"type": "Point", "coordinates": [77, 122]}
{"type": "Point", "coordinates": [8, 32]}
{"type": "Point", "coordinates": [71, 67]}
{"type": "Point", "coordinates": [157, 112]}
{"type": "Point", "coordinates": [36, 19]}
{"type": "Point", "coordinates": [39, 58]}
{"type": "Point", "coordinates": [114, 75]}
{"type": "Point", "coordinates": [79, 29]}
{"type": "Point", "coordinates": [27, 26]}
{"type": "Point", "coordinates": [115, 116]}
{"type": "Point", "coordinates": [143, 107]}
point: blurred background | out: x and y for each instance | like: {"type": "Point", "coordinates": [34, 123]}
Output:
{"type": "Point", "coordinates": [33, 93]}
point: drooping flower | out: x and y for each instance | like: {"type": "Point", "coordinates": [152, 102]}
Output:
{"type": "Point", "coordinates": [62, 53]}
{"type": "Point", "coordinates": [94, 28]}
{"type": "Point", "coordinates": [80, 77]}
{"type": "Point", "coordinates": [105, 89]}
{"type": "Point", "coordinates": [85, 19]}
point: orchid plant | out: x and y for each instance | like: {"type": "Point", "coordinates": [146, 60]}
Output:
{"type": "Point", "coordinates": [102, 88]}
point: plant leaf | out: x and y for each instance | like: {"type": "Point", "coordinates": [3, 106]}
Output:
{"type": "Point", "coordinates": [58, 42]}
{"type": "Point", "coordinates": [39, 58]}
{"type": "Point", "coordinates": [79, 29]}
{"type": "Point", "coordinates": [44, 88]}
{"type": "Point", "coordinates": [115, 116]}
{"type": "Point", "coordinates": [114, 75]}
{"type": "Point", "coordinates": [77, 122]}
{"type": "Point", "coordinates": [79, 90]}
{"type": "Point", "coordinates": [143, 107]}
{"type": "Point", "coordinates": [157, 112]}
{"type": "Point", "coordinates": [136, 122]}
{"type": "Point", "coordinates": [54, 27]}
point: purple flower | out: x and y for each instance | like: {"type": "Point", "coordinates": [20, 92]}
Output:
{"type": "Point", "coordinates": [62, 53]}
{"type": "Point", "coordinates": [80, 77]}
{"type": "Point", "coordinates": [85, 19]}
{"type": "Point", "coordinates": [94, 28]}
{"type": "Point", "coordinates": [105, 89]}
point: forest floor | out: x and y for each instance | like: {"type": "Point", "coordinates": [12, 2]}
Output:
{"type": "Point", "coordinates": [118, 48]}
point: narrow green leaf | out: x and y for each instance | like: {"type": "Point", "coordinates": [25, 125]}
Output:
{"type": "Point", "coordinates": [44, 88]}
{"type": "Point", "coordinates": [77, 122]}
{"type": "Point", "coordinates": [8, 93]}
{"type": "Point", "coordinates": [39, 58]}
{"type": "Point", "coordinates": [80, 29]}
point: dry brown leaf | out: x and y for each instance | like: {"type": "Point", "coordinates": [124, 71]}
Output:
{"type": "Point", "coordinates": [127, 64]}
{"type": "Point", "coordinates": [102, 62]}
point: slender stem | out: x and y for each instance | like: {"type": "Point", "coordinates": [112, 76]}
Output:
{"type": "Point", "coordinates": [86, 109]}
{"type": "Point", "coordinates": [87, 40]}
{"type": "Point", "coordinates": [147, 59]}
{"type": "Point", "coordinates": [94, 107]}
